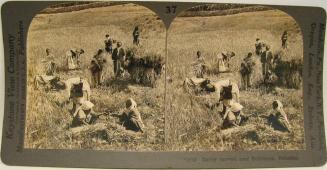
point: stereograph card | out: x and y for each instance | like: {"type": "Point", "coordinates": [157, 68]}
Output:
{"type": "Point", "coordinates": [101, 84]}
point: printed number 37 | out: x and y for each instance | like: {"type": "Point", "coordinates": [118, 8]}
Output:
{"type": "Point", "coordinates": [171, 9]}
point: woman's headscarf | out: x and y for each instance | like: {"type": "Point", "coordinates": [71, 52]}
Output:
{"type": "Point", "coordinates": [277, 105]}
{"type": "Point", "coordinates": [130, 104]}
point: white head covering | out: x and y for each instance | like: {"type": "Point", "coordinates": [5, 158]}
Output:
{"type": "Point", "coordinates": [131, 104]}
{"type": "Point", "coordinates": [277, 105]}
{"type": "Point", "coordinates": [236, 107]}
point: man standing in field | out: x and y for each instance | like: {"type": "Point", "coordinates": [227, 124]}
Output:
{"type": "Point", "coordinates": [118, 58]}
{"type": "Point", "coordinates": [108, 44]}
{"type": "Point", "coordinates": [266, 60]}
{"type": "Point", "coordinates": [246, 71]}
{"type": "Point", "coordinates": [258, 46]}
{"type": "Point", "coordinates": [49, 64]}
{"type": "Point", "coordinates": [136, 35]}
{"type": "Point", "coordinates": [284, 39]}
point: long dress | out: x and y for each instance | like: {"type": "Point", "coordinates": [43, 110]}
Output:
{"type": "Point", "coordinates": [278, 121]}
{"type": "Point", "coordinates": [221, 64]}
{"type": "Point", "coordinates": [71, 60]}
{"type": "Point", "coordinates": [49, 65]}
{"type": "Point", "coordinates": [134, 121]}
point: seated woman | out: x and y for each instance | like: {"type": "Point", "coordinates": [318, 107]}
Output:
{"type": "Point", "coordinates": [278, 119]}
{"type": "Point", "coordinates": [132, 117]}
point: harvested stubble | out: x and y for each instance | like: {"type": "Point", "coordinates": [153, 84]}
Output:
{"type": "Point", "coordinates": [48, 128]}
{"type": "Point", "coordinates": [189, 116]}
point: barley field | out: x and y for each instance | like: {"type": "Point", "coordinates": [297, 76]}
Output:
{"type": "Point", "coordinates": [47, 124]}
{"type": "Point", "coordinates": [190, 125]}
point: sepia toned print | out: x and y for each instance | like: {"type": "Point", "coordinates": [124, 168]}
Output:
{"type": "Point", "coordinates": [95, 78]}
{"type": "Point", "coordinates": [234, 80]}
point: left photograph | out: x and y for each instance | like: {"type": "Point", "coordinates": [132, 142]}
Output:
{"type": "Point", "coordinates": [95, 78]}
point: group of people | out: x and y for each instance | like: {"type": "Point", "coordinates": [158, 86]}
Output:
{"type": "Point", "coordinates": [267, 59]}
{"type": "Point", "coordinates": [98, 62]}
{"type": "Point", "coordinates": [78, 89]}
{"type": "Point", "coordinates": [227, 92]}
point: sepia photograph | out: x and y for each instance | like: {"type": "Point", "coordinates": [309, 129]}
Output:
{"type": "Point", "coordinates": [145, 84]}
{"type": "Point", "coordinates": [234, 80]}
{"type": "Point", "coordinates": [98, 78]}
{"type": "Point", "coordinates": [95, 78]}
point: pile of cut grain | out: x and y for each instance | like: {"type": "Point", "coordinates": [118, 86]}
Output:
{"type": "Point", "coordinates": [288, 70]}
{"type": "Point", "coordinates": [144, 68]}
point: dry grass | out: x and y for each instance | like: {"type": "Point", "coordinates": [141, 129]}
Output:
{"type": "Point", "coordinates": [47, 123]}
{"type": "Point", "coordinates": [191, 125]}
{"type": "Point", "coordinates": [194, 126]}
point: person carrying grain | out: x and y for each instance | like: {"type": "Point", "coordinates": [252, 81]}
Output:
{"type": "Point", "coordinates": [284, 39]}
{"type": "Point", "coordinates": [108, 44]}
{"type": "Point", "coordinates": [132, 117]}
{"type": "Point", "coordinates": [199, 65]}
{"type": "Point", "coordinates": [49, 64]}
{"type": "Point", "coordinates": [118, 58]}
{"type": "Point", "coordinates": [266, 60]}
{"type": "Point", "coordinates": [278, 119]}
{"type": "Point", "coordinates": [246, 71]}
{"type": "Point", "coordinates": [136, 35]}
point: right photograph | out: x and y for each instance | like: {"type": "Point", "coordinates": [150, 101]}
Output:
{"type": "Point", "coordinates": [234, 80]}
